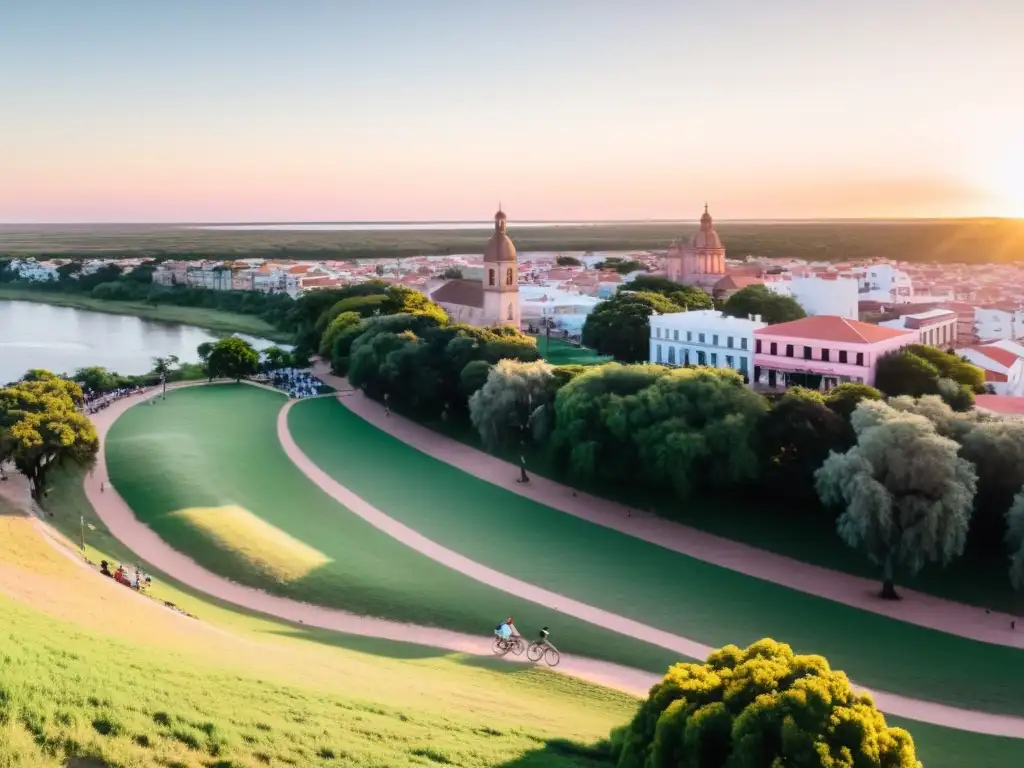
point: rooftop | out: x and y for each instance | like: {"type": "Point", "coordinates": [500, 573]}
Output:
{"type": "Point", "coordinates": [833, 328]}
{"type": "Point", "coordinates": [702, 318]}
{"type": "Point", "coordinates": [465, 293]}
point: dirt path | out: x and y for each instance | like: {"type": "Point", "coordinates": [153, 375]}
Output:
{"type": "Point", "coordinates": [916, 608]}
{"type": "Point", "coordinates": [117, 516]}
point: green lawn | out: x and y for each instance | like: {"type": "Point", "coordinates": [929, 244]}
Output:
{"type": "Point", "coordinates": [216, 446]}
{"type": "Point", "coordinates": [561, 352]}
{"type": "Point", "coordinates": [643, 581]}
{"type": "Point", "coordinates": [212, 319]}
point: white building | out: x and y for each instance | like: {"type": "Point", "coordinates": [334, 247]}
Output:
{"type": "Point", "coordinates": [936, 328]}
{"type": "Point", "coordinates": [30, 269]}
{"type": "Point", "coordinates": [1003, 363]}
{"type": "Point", "coordinates": [994, 323]}
{"type": "Point", "coordinates": [704, 337]}
{"type": "Point", "coordinates": [885, 283]}
{"type": "Point", "coordinates": [820, 295]}
{"type": "Point", "coordinates": [567, 310]}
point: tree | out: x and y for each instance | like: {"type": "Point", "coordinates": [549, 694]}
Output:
{"type": "Point", "coordinates": [337, 326]}
{"type": "Point", "coordinates": [620, 326]}
{"type": "Point", "coordinates": [275, 358]}
{"type": "Point", "coordinates": [204, 350]}
{"type": "Point", "coordinates": [905, 493]}
{"type": "Point", "coordinates": [950, 366]}
{"type": "Point", "coordinates": [41, 427]}
{"type": "Point", "coordinates": [233, 358]}
{"type": "Point", "coordinates": [402, 300]}
{"type": "Point", "coordinates": [501, 410]}
{"type": "Point", "coordinates": [686, 297]}
{"type": "Point", "coordinates": [845, 398]}
{"type": "Point", "coordinates": [95, 379]}
{"type": "Point", "coordinates": [795, 438]}
{"type": "Point", "coordinates": [1015, 538]}
{"type": "Point", "coordinates": [758, 300]}
{"type": "Point", "coordinates": [568, 261]}
{"type": "Point", "coordinates": [452, 273]}
{"type": "Point", "coordinates": [162, 367]}
{"type": "Point", "coordinates": [904, 373]}
{"type": "Point", "coordinates": [758, 707]}
{"type": "Point", "coordinates": [474, 375]}
{"type": "Point", "coordinates": [379, 269]}
{"type": "Point", "coordinates": [996, 448]}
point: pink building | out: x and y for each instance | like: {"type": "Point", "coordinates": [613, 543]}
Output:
{"type": "Point", "coordinates": [823, 351]}
{"type": "Point", "coordinates": [700, 263]}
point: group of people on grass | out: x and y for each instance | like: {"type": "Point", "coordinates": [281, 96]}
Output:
{"type": "Point", "coordinates": [137, 581]}
{"type": "Point", "coordinates": [296, 382]}
{"type": "Point", "coordinates": [98, 401]}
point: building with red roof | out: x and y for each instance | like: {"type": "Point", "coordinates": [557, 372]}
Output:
{"type": "Point", "coordinates": [823, 351]}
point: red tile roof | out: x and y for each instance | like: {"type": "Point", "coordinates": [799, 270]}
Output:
{"type": "Point", "coordinates": [1000, 355]}
{"type": "Point", "coordinates": [465, 293]}
{"type": "Point", "coordinates": [1000, 403]}
{"type": "Point", "coordinates": [833, 328]}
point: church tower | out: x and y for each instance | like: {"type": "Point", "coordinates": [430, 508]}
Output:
{"type": "Point", "coordinates": [702, 262]}
{"type": "Point", "coordinates": [501, 277]}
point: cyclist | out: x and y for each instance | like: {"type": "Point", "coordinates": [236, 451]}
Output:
{"type": "Point", "coordinates": [505, 629]}
{"type": "Point", "coordinates": [544, 636]}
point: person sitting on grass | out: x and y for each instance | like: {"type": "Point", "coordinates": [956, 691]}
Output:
{"type": "Point", "coordinates": [105, 568]}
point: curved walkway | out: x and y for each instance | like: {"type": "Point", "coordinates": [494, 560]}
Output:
{"type": "Point", "coordinates": [118, 517]}
{"type": "Point", "coordinates": [916, 608]}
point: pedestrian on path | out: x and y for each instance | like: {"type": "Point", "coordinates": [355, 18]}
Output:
{"type": "Point", "coordinates": [387, 404]}
{"type": "Point", "coordinates": [101, 486]}
{"type": "Point", "coordinates": [523, 477]}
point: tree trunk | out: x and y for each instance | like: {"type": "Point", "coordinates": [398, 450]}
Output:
{"type": "Point", "coordinates": [888, 583]}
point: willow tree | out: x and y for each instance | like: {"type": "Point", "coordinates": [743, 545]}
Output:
{"type": "Point", "coordinates": [906, 494]}
{"type": "Point", "coordinates": [41, 427]}
{"type": "Point", "coordinates": [514, 396]}
{"type": "Point", "coordinates": [757, 707]}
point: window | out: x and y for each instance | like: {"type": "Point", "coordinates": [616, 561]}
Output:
{"type": "Point", "coordinates": [675, 335]}
{"type": "Point", "coordinates": [743, 342]}
{"type": "Point", "coordinates": [757, 346]}
{"type": "Point", "coordinates": [773, 349]}
{"type": "Point", "coordinates": [689, 335]}
{"type": "Point", "coordinates": [789, 350]}
{"type": "Point", "coordinates": [729, 362]}
{"type": "Point", "coordinates": [824, 356]}
{"type": "Point", "coordinates": [671, 355]}
{"type": "Point", "coordinates": [860, 358]}
{"type": "Point", "coordinates": [700, 337]}
{"type": "Point", "coordinates": [728, 342]}
{"type": "Point", "coordinates": [686, 357]}
{"type": "Point", "coordinates": [714, 359]}
{"type": "Point", "coordinates": [702, 358]}
{"type": "Point", "coordinates": [657, 333]}
{"type": "Point", "coordinates": [714, 340]}
{"type": "Point", "coordinates": [807, 353]}
{"type": "Point", "coordinates": [508, 276]}
{"type": "Point", "coordinates": [490, 277]}
{"type": "Point", "coordinates": [743, 365]}
{"type": "Point", "coordinates": [658, 358]}
{"type": "Point", "coordinates": [842, 356]}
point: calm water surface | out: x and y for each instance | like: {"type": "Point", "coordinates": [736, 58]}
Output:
{"type": "Point", "coordinates": [62, 339]}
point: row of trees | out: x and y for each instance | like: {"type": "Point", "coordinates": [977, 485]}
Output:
{"type": "Point", "coordinates": [910, 479]}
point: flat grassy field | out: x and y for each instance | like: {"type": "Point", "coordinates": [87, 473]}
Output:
{"type": "Point", "coordinates": [561, 352]}
{"type": "Point", "coordinates": [381, 700]}
{"type": "Point", "coordinates": [93, 675]}
{"type": "Point", "coordinates": [217, 447]}
{"type": "Point", "coordinates": [643, 581]}
{"type": "Point", "coordinates": [214, 320]}
{"type": "Point", "coordinates": [950, 240]}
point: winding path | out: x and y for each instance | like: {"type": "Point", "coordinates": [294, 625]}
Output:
{"type": "Point", "coordinates": [916, 608]}
{"type": "Point", "coordinates": [118, 517]}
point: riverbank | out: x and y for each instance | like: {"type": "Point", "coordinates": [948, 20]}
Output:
{"type": "Point", "coordinates": [211, 319]}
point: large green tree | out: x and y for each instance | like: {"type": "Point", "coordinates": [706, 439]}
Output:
{"type": "Point", "coordinates": [919, 370]}
{"type": "Point", "coordinates": [760, 707]}
{"type": "Point", "coordinates": [906, 495]}
{"type": "Point", "coordinates": [620, 326]}
{"type": "Point", "coordinates": [334, 329]}
{"type": "Point", "coordinates": [1015, 538]}
{"type": "Point", "coordinates": [163, 367]}
{"type": "Point", "coordinates": [686, 297]}
{"type": "Point", "coordinates": [95, 379]}
{"type": "Point", "coordinates": [515, 393]}
{"type": "Point", "coordinates": [41, 427]}
{"type": "Point", "coordinates": [233, 358]}
{"type": "Point", "coordinates": [758, 300]}
{"type": "Point", "coordinates": [845, 398]}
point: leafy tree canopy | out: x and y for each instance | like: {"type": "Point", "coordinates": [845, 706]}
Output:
{"type": "Point", "coordinates": [758, 300]}
{"type": "Point", "coordinates": [758, 707]}
{"type": "Point", "coordinates": [844, 398]}
{"type": "Point", "coordinates": [568, 261]}
{"type": "Point", "coordinates": [233, 358]}
{"type": "Point", "coordinates": [620, 326]}
{"type": "Point", "coordinates": [513, 396]}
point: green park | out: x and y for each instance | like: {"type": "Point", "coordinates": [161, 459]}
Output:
{"type": "Point", "coordinates": [330, 557]}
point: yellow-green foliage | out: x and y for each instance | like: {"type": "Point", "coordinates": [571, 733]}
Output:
{"type": "Point", "coordinates": [759, 707]}
{"type": "Point", "coordinates": [259, 544]}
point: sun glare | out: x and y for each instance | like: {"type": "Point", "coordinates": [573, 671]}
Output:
{"type": "Point", "coordinates": [1006, 183]}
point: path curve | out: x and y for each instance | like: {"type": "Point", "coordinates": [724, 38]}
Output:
{"type": "Point", "coordinates": [916, 608]}
{"type": "Point", "coordinates": [140, 539]}
{"type": "Point", "coordinates": [121, 522]}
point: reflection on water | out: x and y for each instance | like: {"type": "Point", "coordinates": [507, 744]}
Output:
{"type": "Point", "coordinates": [62, 339]}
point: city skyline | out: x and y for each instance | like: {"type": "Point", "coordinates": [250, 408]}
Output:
{"type": "Point", "coordinates": [397, 111]}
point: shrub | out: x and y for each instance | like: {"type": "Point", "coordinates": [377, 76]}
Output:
{"type": "Point", "coordinates": [758, 707]}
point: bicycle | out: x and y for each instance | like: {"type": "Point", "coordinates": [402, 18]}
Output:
{"type": "Point", "coordinates": [501, 646]}
{"type": "Point", "coordinates": [543, 649]}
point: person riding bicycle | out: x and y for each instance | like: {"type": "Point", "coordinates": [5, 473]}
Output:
{"type": "Point", "coordinates": [505, 629]}
{"type": "Point", "coordinates": [544, 636]}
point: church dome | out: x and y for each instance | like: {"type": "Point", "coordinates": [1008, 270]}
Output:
{"type": "Point", "coordinates": [706, 236]}
{"type": "Point", "coordinates": [500, 246]}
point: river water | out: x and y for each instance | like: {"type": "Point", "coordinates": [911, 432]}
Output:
{"type": "Point", "coordinates": [62, 339]}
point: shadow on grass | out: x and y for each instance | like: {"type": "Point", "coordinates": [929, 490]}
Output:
{"type": "Point", "coordinates": [373, 646]}
{"type": "Point", "coordinates": [560, 753]}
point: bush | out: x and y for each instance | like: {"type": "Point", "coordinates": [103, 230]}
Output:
{"type": "Point", "coordinates": [758, 707]}
{"type": "Point", "coordinates": [758, 300]}
{"type": "Point", "coordinates": [509, 400]}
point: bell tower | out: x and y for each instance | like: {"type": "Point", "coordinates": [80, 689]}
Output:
{"type": "Point", "coordinates": [501, 276]}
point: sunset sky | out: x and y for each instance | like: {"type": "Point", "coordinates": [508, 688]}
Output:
{"type": "Point", "coordinates": [344, 110]}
